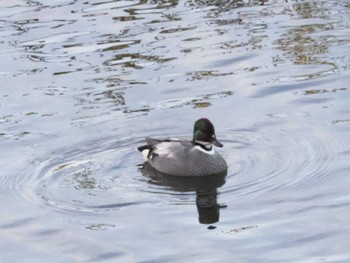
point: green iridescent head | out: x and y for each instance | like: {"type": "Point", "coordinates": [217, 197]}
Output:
{"type": "Point", "coordinates": [204, 132]}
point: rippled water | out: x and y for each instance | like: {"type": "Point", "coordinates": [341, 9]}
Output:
{"type": "Point", "coordinates": [83, 82]}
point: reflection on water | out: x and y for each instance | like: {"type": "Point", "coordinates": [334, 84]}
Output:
{"type": "Point", "coordinates": [205, 188]}
{"type": "Point", "coordinates": [207, 206]}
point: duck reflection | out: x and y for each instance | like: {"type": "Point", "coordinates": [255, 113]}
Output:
{"type": "Point", "coordinates": [204, 186]}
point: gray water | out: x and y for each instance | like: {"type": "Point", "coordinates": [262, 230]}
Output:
{"type": "Point", "coordinates": [83, 82]}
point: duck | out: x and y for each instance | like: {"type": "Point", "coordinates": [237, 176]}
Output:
{"type": "Point", "coordinates": [180, 157]}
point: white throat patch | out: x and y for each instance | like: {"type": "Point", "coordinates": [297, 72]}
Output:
{"type": "Point", "coordinates": [211, 151]}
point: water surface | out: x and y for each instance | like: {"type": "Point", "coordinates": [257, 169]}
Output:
{"type": "Point", "coordinates": [83, 82]}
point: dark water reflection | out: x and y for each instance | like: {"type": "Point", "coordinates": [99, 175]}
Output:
{"type": "Point", "coordinates": [205, 188]}
{"type": "Point", "coordinates": [83, 82]}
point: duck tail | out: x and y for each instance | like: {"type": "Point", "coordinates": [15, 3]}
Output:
{"type": "Point", "coordinates": [145, 150]}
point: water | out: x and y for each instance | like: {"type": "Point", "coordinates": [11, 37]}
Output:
{"type": "Point", "coordinates": [83, 82]}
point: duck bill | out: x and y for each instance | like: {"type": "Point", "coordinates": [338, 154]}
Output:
{"type": "Point", "coordinates": [217, 143]}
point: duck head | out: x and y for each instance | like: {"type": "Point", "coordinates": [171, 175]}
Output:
{"type": "Point", "coordinates": [204, 134]}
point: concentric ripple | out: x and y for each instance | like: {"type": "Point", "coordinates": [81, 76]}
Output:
{"type": "Point", "coordinates": [105, 175]}
{"type": "Point", "coordinates": [96, 177]}
{"type": "Point", "coordinates": [266, 161]}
